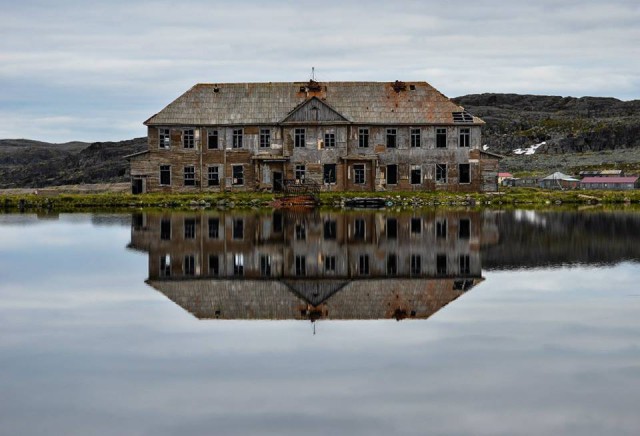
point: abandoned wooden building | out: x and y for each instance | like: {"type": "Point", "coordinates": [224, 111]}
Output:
{"type": "Point", "coordinates": [342, 136]}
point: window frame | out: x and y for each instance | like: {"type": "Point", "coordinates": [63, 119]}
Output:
{"type": "Point", "coordinates": [167, 168]}
{"type": "Point", "coordinates": [416, 137]}
{"type": "Point", "coordinates": [441, 137]}
{"type": "Point", "coordinates": [356, 169]}
{"type": "Point", "coordinates": [188, 139]}
{"type": "Point", "coordinates": [300, 173]}
{"type": "Point", "coordinates": [391, 136]}
{"type": "Point", "coordinates": [191, 180]}
{"type": "Point", "coordinates": [299, 137]}
{"type": "Point", "coordinates": [464, 137]}
{"type": "Point", "coordinates": [468, 166]}
{"type": "Point", "coordinates": [440, 167]}
{"type": "Point", "coordinates": [332, 179]}
{"type": "Point", "coordinates": [329, 140]}
{"type": "Point", "coordinates": [363, 137]}
{"type": "Point", "coordinates": [413, 169]}
{"type": "Point", "coordinates": [265, 138]}
{"type": "Point", "coordinates": [164, 139]}
{"type": "Point", "coordinates": [237, 138]}
{"type": "Point", "coordinates": [386, 176]}
{"type": "Point", "coordinates": [237, 181]}
{"type": "Point", "coordinates": [213, 134]}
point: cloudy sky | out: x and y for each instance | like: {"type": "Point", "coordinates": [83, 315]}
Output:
{"type": "Point", "coordinates": [95, 70]}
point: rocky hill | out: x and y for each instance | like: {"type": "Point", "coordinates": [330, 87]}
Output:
{"type": "Point", "coordinates": [25, 163]}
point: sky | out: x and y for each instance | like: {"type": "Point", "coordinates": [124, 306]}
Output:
{"type": "Point", "coordinates": [96, 70]}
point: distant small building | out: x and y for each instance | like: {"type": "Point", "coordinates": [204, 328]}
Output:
{"type": "Point", "coordinates": [502, 176]}
{"type": "Point", "coordinates": [611, 173]}
{"type": "Point", "coordinates": [589, 173]}
{"type": "Point", "coordinates": [559, 180]}
{"type": "Point", "coordinates": [521, 182]}
{"type": "Point", "coordinates": [610, 183]}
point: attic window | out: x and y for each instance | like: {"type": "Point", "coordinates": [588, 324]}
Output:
{"type": "Point", "coordinates": [399, 86]}
{"type": "Point", "coordinates": [462, 117]}
{"type": "Point", "coordinates": [303, 89]}
{"type": "Point", "coordinates": [412, 87]}
{"type": "Point", "coordinates": [216, 89]}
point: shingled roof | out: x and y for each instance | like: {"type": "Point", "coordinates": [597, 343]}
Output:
{"type": "Point", "coordinates": [270, 103]}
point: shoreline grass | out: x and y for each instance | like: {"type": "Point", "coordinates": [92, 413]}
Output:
{"type": "Point", "coordinates": [510, 197]}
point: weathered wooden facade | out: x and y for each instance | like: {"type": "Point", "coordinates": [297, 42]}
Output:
{"type": "Point", "coordinates": [346, 136]}
{"type": "Point", "coordinates": [297, 265]}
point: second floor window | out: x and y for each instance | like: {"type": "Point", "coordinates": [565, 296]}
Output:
{"type": "Point", "coordinates": [189, 176]}
{"type": "Point", "coordinates": [188, 138]}
{"type": "Point", "coordinates": [441, 137]}
{"type": "Point", "coordinates": [299, 138]}
{"type": "Point", "coordinates": [265, 138]}
{"type": "Point", "coordinates": [465, 137]}
{"type": "Point", "coordinates": [392, 135]}
{"type": "Point", "coordinates": [164, 138]}
{"type": "Point", "coordinates": [237, 138]}
{"type": "Point", "coordinates": [363, 138]}
{"type": "Point", "coordinates": [415, 138]}
{"type": "Point", "coordinates": [212, 140]}
{"type": "Point", "coordinates": [329, 140]}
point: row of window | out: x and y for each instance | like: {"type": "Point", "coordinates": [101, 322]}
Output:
{"type": "Point", "coordinates": [190, 265]}
{"type": "Point", "coordinates": [213, 175]}
{"type": "Point", "coordinates": [299, 138]}
{"type": "Point", "coordinates": [329, 229]}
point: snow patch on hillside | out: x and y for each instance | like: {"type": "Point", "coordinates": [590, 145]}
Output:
{"type": "Point", "coordinates": [529, 150]}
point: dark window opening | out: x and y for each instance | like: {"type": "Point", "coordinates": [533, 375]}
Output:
{"type": "Point", "coordinates": [330, 264]}
{"type": "Point", "coordinates": [238, 229]}
{"type": "Point", "coordinates": [213, 176]}
{"type": "Point", "coordinates": [441, 173]}
{"type": "Point", "coordinates": [237, 137]}
{"type": "Point", "coordinates": [441, 264]}
{"type": "Point", "coordinates": [441, 138]}
{"type": "Point", "coordinates": [165, 230]}
{"type": "Point", "coordinates": [363, 264]}
{"type": "Point", "coordinates": [360, 229]}
{"type": "Point", "coordinates": [329, 140]}
{"type": "Point", "coordinates": [465, 137]}
{"type": "Point", "coordinates": [392, 228]}
{"type": "Point", "coordinates": [265, 138]}
{"type": "Point", "coordinates": [165, 175]}
{"type": "Point", "coordinates": [238, 175]}
{"type": "Point", "coordinates": [391, 138]}
{"type": "Point", "coordinates": [462, 117]}
{"type": "Point", "coordinates": [214, 265]}
{"type": "Point", "coordinates": [330, 230]}
{"type": "Point", "coordinates": [188, 138]}
{"type": "Point", "coordinates": [265, 265]}
{"type": "Point", "coordinates": [190, 176]}
{"type": "Point", "coordinates": [416, 175]}
{"type": "Point", "coordinates": [214, 228]}
{"type": "Point", "coordinates": [416, 264]}
{"type": "Point", "coordinates": [415, 138]}
{"type": "Point", "coordinates": [329, 173]}
{"type": "Point", "coordinates": [164, 138]}
{"type": "Point", "coordinates": [441, 229]}
{"type": "Point", "coordinates": [392, 174]}
{"type": "Point", "coordinates": [464, 173]}
{"type": "Point", "coordinates": [464, 265]}
{"type": "Point", "coordinates": [299, 138]}
{"type": "Point", "coordinates": [189, 266]}
{"type": "Point", "coordinates": [301, 266]}
{"type": "Point", "coordinates": [416, 225]}
{"type": "Point", "coordinates": [392, 264]}
{"type": "Point", "coordinates": [300, 173]}
{"type": "Point", "coordinates": [212, 140]}
{"type": "Point", "coordinates": [278, 219]}
{"type": "Point", "coordinates": [363, 138]}
{"type": "Point", "coordinates": [358, 174]}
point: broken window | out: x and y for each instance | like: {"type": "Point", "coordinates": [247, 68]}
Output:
{"type": "Point", "coordinates": [329, 173]}
{"type": "Point", "coordinates": [301, 266]}
{"type": "Point", "coordinates": [214, 228]}
{"type": "Point", "coordinates": [391, 138]}
{"type": "Point", "coordinates": [165, 175]}
{"type": "Point", "coordinates": [238, 228]}
{"type": "Point", "coordinates": [188, 138]}
{"type": "Point", "coordinates": [416, 226]}
{"type": "Point", "coordinates": [301, 232]}
{"type": "Point", "coordinates": [299, 138]}
{"type": "Point", "coordinates": [441, 264]}
{"type": "Point", "coordinates": [392, 228]}
{"type": "Point", "coordinates": [392, 174]}
{"type": "Point", "coordinates": [189, 228]}
{"type": "Point", "coordinates": [265, 138]}
{"type": "Point", "coordinates": [238, 175]}
{"type": "Point", "coordinates": [465, 269]}
{"type": "Point", "coordinates": [441, 137]}
{"type": "Point", "coordinates": [363, 264]}
{"type": "Point", "coordinates": [416, 175]}
{"type": "Point", "coordinates": [363, 138]}
{"type": "Point", "coordinates": [189, 265]}
{"type": "Point", "coordinates": [464, 229]}
{"type": "Point", "coordinates": [358, 174]}
{"type": "Point", "coordinates": [213, 176]}
{"type": "Point", "coordinates": [164, 138]}
{"type": "Point", "coordinates": [265, 265]}
{"type": "Point", "coordinates": [330, 230]}
{"type": "Point", "coordinates": [441, 229]}
{"type": "Point", "coordinates": [415, 138]}
{"type": "Point", "coordinates": [416, 264]}
{"type": "Point", "coordinates": [360, 229]}
{"type": "Point", "coordinates": [165, 266]}
{"type": "Point", "coordinates": [330, 264]}
{"type": "Point", "coordinates": [238, 264]}
{"type": "Point", "coordinates": [165, 230]}
{"type": "Point", "coordinates": [392, 264]}
{"type": "Point", "coordinates": [214, 265]}
{"type": "Point", "coordinates": [236, 138]}
{"type": "Point", "coordinates": [189, 175]}
{"type": "Point", "coordinates": [329, 140]}
{"type": "Point", "coordinates": [300, 173]}
{"type": "Point", "coordinates": [441, 173]}
{"type": "Point", "coordinates": [464, 173]}
{"type": "Point", "coordinates": [212, 140]}
{"type": "Point", "coordinates": [464, 137]}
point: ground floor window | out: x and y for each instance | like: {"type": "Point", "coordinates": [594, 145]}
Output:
{"type": "Point", "coordinates": [358, 174]}
{"type": "Point", "coordinates": [214, 176]}
{"type": "Point", "coordinates": [441, 264]}
{"type": "Point", "coordinates": [392, 174]}
{"type": "Point", "coordinates": [363, 264]}
{"type": "Point", "coordinates": [238, 264]}
{"type": "Point", "coordinates": [464, 171]}
{"type": "Point", "coordinates": [301, 266]}
{"type": "Point", "coordinates": [265, 265]}
{"type": "Point", "coordinates": [189, 175]}
{"type": "Point", "coordinates": [329, 173]}
{"type": "Point", "coordinates": [238, 175]}
{"type": "Point", "coordinates": [416, 175]}
{"type": "Point", "coordinates": [165, 175]}
{"type": "Point", "coordinates": [300, 173]}
{"type": "Point", "coordinates": [330, 264]}
{"type": "Point", "coordinates": [465, 268]}
{"type": "Point", "coordinates": [165, 265]}
{"type": "Point", "coordinates": [441, 173]}
{"type": "Point", "coordinates": [189, 265]}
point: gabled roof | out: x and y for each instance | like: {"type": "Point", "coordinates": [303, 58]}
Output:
{"type": "Point", "coordinates": [560, 176]}
{"type": "Point", "coordinates": [270, 103]}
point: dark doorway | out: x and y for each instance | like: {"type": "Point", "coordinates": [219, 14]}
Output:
{"type": "Point", "coordinates": [277, 182]}
{"type": "Point", "coordinates": [392, 174]}
{"type": "Point", "coordinates": [136, 186]}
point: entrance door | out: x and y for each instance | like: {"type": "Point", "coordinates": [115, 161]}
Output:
{"type": "Point", "coordinates": [277, 181]}
{"type": "Point", "coordinates": [136, 186]}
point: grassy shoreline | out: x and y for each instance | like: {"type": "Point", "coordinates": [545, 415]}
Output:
{"type": "Point", "coordinates": [518, 197]}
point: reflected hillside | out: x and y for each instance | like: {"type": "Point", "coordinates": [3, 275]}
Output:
{"type": "Point", "coordinates": [312, 265]}
{"type": "Point", "coordinates": [549, 239]}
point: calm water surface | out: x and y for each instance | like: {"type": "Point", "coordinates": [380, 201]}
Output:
{"type": "Point", "coordinates": [358, 323]}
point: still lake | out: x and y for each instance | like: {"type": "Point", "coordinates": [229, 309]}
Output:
{"type": "Point", "coordinates": [320, 323]}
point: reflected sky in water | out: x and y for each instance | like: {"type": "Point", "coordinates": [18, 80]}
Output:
{"type": "Point", "coordinates": [87, 347]}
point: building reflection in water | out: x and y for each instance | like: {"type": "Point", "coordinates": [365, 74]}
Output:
{"type": "Point", "coordinates": [312, 265]}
